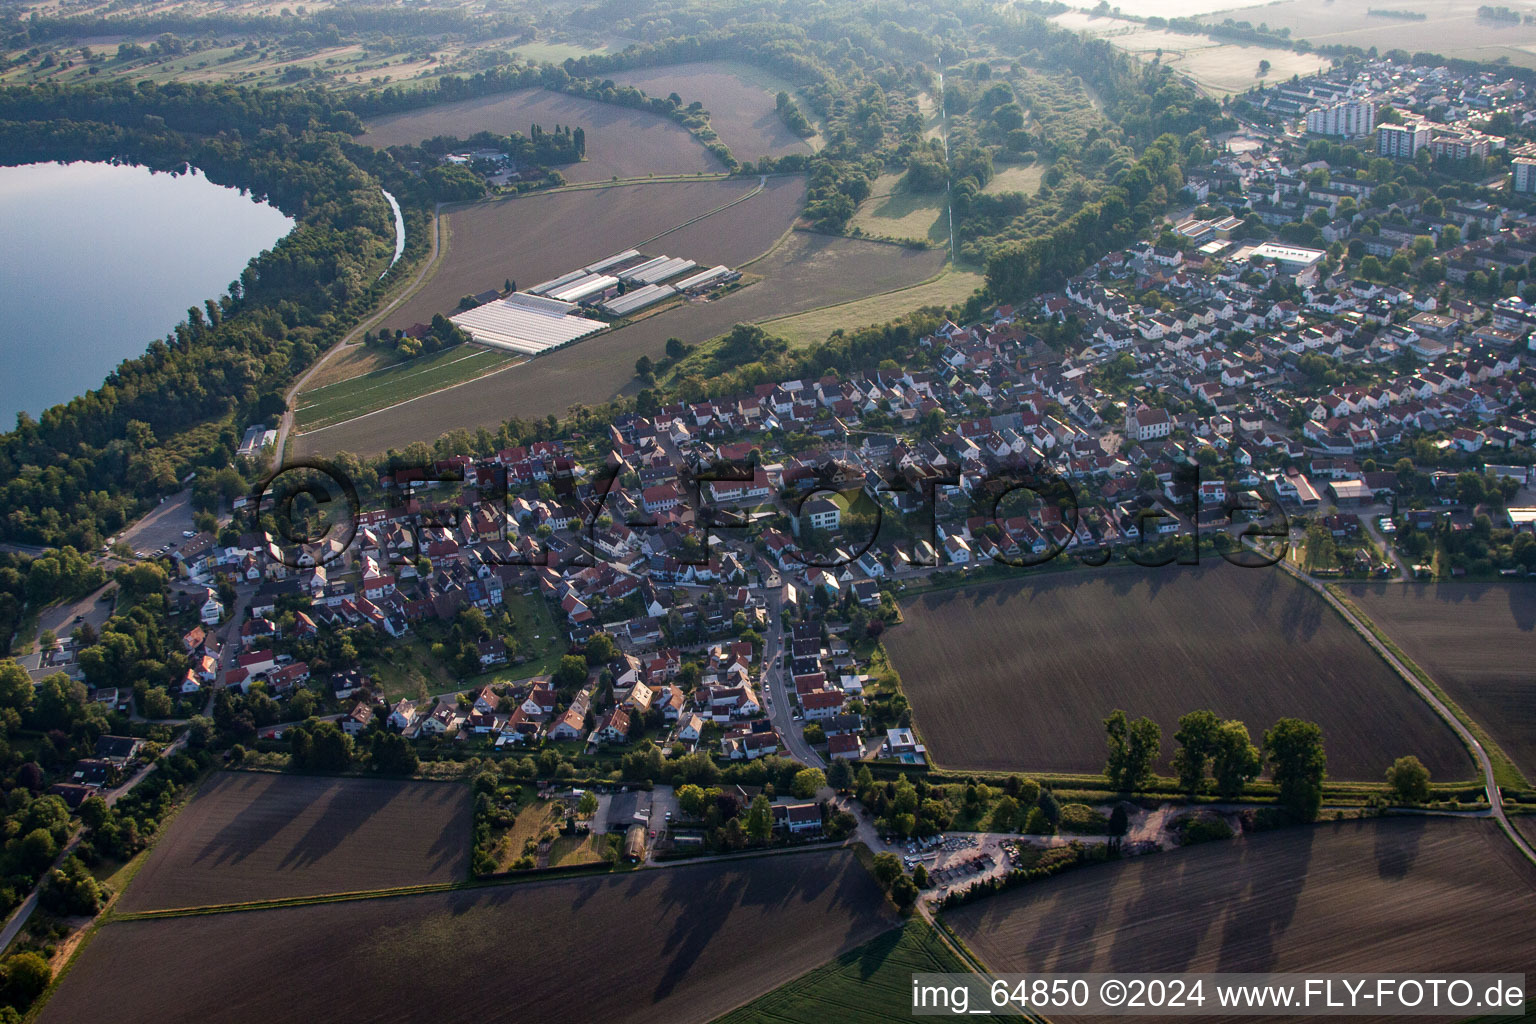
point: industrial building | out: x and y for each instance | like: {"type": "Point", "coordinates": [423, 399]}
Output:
{"type": "Point", "coordinates": [656, 272]}
{"type": "Point", "coordinates": [547, 316]}
{"type": "Point", "coordinates": [1292, 258]}
{"type": "Point", "coordinates": [527, 324]}
{"type": "Point", "coordinates": [587, 287]}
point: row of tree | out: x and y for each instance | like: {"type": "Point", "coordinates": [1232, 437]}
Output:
{"type": "Point", "coordinates": [1213, 751]}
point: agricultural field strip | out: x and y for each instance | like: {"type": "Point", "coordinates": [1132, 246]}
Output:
{"type": "Point", "coordinates": [694, 943]}
{"type": "Point", "coordinates": [437, 379]}
{"type": "Point", "coordinates": [804, 271]}
{"type": "Point", "coordinates": [354, 388]}
{"type": "Point", "coordinates": [552, 874]}
{"type": "Point", "coordinates": [1072, 683]}
{"type": "Point", "coordinates": [254, 837]}
{"type": "Point", "coordinates": [1470, 640]}
{"type": "Point", "coordinates": [1440, 707]}
{"type": "Point", "coordinates": [540, 235]}
{"type": "Point", "coordinates": [947, 287]}
{"type": "Point", "coordinates": [866, 985]}
{"type": "Point", "coordinates": [1397, 893]}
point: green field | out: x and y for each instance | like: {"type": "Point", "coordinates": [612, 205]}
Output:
{"type": "Point", "coordinates": [1024, 178]}
{"type": "Point", "coordinates": [870, 984]}
{"type": "Point", "coordinates": [370, 392]}
{"type": "Point", "coordinates": [813, 327]}
{"type": "Point", "coordinates": [893, 211]}
{"type": "Point", "coordinates": [538, 638]}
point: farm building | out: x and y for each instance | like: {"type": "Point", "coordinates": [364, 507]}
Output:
{"type": "Point", "coordinates": [654, 272]}
{"type": "Point", "coordinates": [651, 294]}
{"type": "Point", "coordinates": [525, 323]}
{"type": "Point", "coordinates": [704, 278]}
{"type": "Point", "coordinates": [588, 286]}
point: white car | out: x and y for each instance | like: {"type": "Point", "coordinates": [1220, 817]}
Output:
{"type": "Point", "coordinates": [189, 533]}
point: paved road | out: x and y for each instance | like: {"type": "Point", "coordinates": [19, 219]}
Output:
{"type": "Point", "coordinates": [90, 608]}
{"type": "Point", "coordinates": [776, 683]}
{"type": "Point", "coordinates": [23, 913]}
{"type": "Point", "coordinates": [285, 425]}
{"type": "Point", "coordinates": [1495, 798]}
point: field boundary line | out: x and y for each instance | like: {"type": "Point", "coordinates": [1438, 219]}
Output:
{"type": "Point", "coordinates": [415, 398]}
{"type": "Point", "coordinates": [1368, 631]}
{"type": "Point", "coordinates": [948, 268]}
{"type": "Point", "coordinates": [595, 870]}
{"type": "Point", "coordinates": [434, 260]}
{"type": "Point", "coordinates": [382, 369]}
{"type": "Point", "coordinates": [426, 394]}
{"type": "Point", "coordinates": [1496, 753]}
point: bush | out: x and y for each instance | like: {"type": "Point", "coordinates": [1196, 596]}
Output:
{"type": "Point", "coordinates": [1037, 824]}
{"type": "Point", "coordinates": [1082, 819]}
{"type": "Point", "coordinates": [1203, 830]}
{"type": "Point", "coordinates": [24, 976]}
{"type": "Point", "coordinates": [71, 890]}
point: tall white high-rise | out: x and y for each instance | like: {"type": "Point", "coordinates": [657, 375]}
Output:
{"type": "Point", "coordinates": [1349, 119]}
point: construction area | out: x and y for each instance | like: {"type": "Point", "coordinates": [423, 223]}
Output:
{"type": "Point", "coordinates": [549, 314]}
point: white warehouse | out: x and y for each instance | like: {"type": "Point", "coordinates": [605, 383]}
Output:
{"type": "Point", "coordinates": [527, 324]}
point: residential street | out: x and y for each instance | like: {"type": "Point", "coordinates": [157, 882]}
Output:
{"type": "Point", "coordinates": [776, 687]}
{"type": "Point", "coordinates": [23, 913]}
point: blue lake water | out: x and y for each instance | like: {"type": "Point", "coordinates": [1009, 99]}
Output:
{"type": "Point", "coordinates": [97, 261]}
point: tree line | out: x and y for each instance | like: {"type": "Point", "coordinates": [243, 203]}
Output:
{"type": "Point", "coordinates": [1220, 754]}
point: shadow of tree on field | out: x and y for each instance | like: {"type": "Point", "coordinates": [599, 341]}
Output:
{"type": "Point", "coordinates": [1272, 871]}
{"type": "Point", "coordinates": [1397, 845]}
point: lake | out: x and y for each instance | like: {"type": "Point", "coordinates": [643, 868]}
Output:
{"type": "Point", "coordinates": [100, 260]}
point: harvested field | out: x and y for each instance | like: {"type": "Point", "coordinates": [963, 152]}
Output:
{"type": "Point", "coordinates": [249, 836]}
{"type": "Point", "coordinates": [535, 237]}
{"type": "Point", "coordinates": [1450, 27]}
{"type": "Point", "coordinates": [678, 945]}
{"type": "Point", "coordinates": [1020, 674]}
{"type": "Point", "coordinates": [807, 271]}
{"type": "Point", "coordinates": [868, 985]}
{"type": "Point", "coordinates": [1475, 640]}
{"type": "Point", "coordinates": [739, 98]}
{"type": "Point", "coordinates": [621, 143]}
{"type": "Point", "coordinates": [811, 328]}
{"type": "Point", "coordinates": [1217, 66]}
{"type": "Point", "coordinates": [1393, 894]}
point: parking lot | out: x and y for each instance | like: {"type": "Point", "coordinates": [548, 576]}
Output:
{"type": "Point", "coordinates": [958, 859]}
{"type": "Point", "coordinates": [162, 529]}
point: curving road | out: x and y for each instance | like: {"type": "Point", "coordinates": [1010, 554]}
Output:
{"type": "Point", "coordinates": [1495, 798]}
